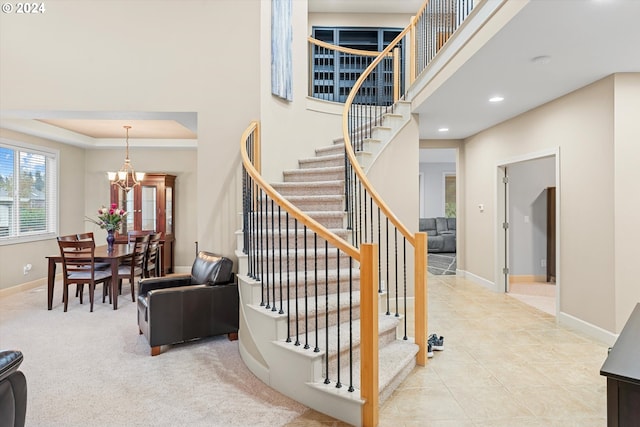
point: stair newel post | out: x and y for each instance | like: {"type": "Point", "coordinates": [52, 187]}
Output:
{"type": "Point", "coordinates": [369, 333]}
{"type": "Point", "coordinates": [421, 297]}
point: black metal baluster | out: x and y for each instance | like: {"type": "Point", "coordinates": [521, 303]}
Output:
{"type": "Point", "coordinates": [404, 262]}
{"type": "Point", "coordinates": [371, 217]}
{"type": "Point", "coordinates": [297, 314]}
{"type": "Point", "coordinates": [266, 249]}
{"type": "Point", "coordinates": [260, 249]}
{"type": "Point", "coordinates": [379, 256]}
{"type": "Point", "coordinates": [273, 257]}
{"type": "Point", "coordinates": [280, 255]}
{"type": "Point", "coordinates": [338, 383]}
{"type": "Point", "coordinates": [326, 312]}
{"type": "Point", "coordinates": [351, 324]}
{"type": "Point", "coordinates": [387, 261]}
{"type": "Point", "coordinates": [315, 289]}
{"type": "Point", "coordinates": [306, 294]}
{"type": "Point", "coordinates": [288, 283]}
{"type": "Point", "coordinates": [365, 228]}
{"type": "Point", "coordinates": [395, 230]}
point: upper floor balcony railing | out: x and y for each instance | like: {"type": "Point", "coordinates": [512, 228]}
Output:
{"type": "Point", "coordinates": [333, 69]}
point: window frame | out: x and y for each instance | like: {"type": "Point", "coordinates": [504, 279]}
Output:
{"type": "Point", "coordinates": [52, 183]}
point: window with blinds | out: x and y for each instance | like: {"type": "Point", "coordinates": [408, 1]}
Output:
{"type": "Point", "coordinates": [28, 192]}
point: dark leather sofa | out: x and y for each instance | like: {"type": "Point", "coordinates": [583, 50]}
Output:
{"type": "Point", "coordinates": [13, 390]}
{"type": "Point", "coordinates": [178, 308]}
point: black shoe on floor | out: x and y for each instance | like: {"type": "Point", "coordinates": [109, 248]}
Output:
{"type": "Point", "coordinates": [436, 342]}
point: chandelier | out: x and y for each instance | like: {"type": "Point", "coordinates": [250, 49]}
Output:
{"type": "Point", "coordinates": [126, 178]}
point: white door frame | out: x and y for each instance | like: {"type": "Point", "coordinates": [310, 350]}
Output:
{"type": "Point", "coordinates": [502, 247]}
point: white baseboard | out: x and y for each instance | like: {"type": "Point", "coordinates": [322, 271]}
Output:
{"type": "Point", "coordinates": [595, 332]}
{"type": "Point", "coordinates": [479, 280]}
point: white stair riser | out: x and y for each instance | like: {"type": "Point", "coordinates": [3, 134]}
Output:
{"type": "Point", "coordinates": [337, 148]}
{"type": "Point", "coordinates": [312, 203]}
{"type": "Point", "coordinates": [326, 218]}
{"type": "Point", "coordinates": [278, 260]}
{"type": "Point", "coordinates": [280, 240]}
{"type": "Point", "coordinates": [333, 319]}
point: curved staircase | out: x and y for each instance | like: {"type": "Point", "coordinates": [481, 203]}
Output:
{"type": "Point", "coordinates": [300, 326]}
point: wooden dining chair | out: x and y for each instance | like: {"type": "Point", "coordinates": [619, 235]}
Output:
{"type": "Point", "coordinates": [134, 266]}
{"type": "Point", "coordinates": [152, 259]}
{"type": "Point", "coordinates": [78, 264]}
{"type": "Point", "coordinates": [70, 238]}
{"type": "Point", "coordinates": [89, 236]}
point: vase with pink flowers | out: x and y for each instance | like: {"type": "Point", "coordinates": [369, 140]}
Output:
{"type": "Point", "coordinates": [109, 219]}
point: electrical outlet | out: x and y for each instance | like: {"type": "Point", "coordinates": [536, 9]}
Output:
{"type": "Point", "coordinates": [26, 269]}
{"type": "Point", "coordinates": [543, 263]}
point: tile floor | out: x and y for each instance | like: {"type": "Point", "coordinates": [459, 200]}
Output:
{"type": "Point", "coordinates": [505, 363]}
{"type": "Point", "coordinates": [539, 295]}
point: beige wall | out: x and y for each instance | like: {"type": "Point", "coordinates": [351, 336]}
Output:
{"type": "Point", "coordinates": [595, 151]}
{"type": "Point", "coordinates": [138, 56]}
{"type": "Point", "coordinates": [627, 194]}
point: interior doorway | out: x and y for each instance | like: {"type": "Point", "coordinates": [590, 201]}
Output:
{"type": "Point", "coordinates": [438, 201]}
{"type": "Point", "coordinates": [528, 211]}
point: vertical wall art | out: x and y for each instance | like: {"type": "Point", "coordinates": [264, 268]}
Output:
{"type": "Point", "coordinates": [281, 39]}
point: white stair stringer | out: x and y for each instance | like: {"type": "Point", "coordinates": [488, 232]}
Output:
{"type": "Point", "coordinates": [289, 369]}
{"type": "Point", "coordinates": [299, 373]}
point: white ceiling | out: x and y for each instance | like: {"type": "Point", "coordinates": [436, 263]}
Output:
{"type": "Point", "coordinates": [585, 41]}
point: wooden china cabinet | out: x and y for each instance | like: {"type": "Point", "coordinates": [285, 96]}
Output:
{"type": "Point", "coordinates": [150, 207]}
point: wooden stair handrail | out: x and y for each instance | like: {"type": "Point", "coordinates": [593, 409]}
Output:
{"type": "Point", "coordinates": [294, 211]}
{"type": "Point", "coordinates": [349, 149]}
{"type": "Point", "coordinates": [342, 48]}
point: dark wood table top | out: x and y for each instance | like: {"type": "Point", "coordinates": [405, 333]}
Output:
{"type": "Point", "coordinates": [623, 362]}
{"type": "Point", "coordinates": [119, 251]}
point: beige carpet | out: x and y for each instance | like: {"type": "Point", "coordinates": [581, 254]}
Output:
{"type": "Point", "coordinates": [94, 369]}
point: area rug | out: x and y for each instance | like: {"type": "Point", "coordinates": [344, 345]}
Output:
{"type": "Point", "coordinates": [441, 263]}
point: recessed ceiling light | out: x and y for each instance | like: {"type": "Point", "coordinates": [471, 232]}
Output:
{"type": "Point", "coordinates": [443, 130]}
{"type": "Point", "coordinates": [542, 60]}
{"type": "Point", "coordinates": [496, 99]}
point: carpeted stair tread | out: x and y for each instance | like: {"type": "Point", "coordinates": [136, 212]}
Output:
{"type": "Point", "coordinates": [394, 360]}
{"type": "Point", "coordinates": [314, 174]}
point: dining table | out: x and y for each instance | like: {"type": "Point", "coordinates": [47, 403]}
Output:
{"type": "Point", "coordinates": [114, 257]}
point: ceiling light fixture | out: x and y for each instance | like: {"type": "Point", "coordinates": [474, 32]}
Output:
{"type": "Point", "coordinates": [126, 178]}
{"type": "Point", "coordinates": [443, 130]}
{"type": "Point", "coordinates": [496, 99]}
{"type": "Point", "coordinates": [541, 60]}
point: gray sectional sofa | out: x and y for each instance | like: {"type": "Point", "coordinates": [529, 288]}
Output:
{"type": "Point", "coordinates": [441, 234]}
